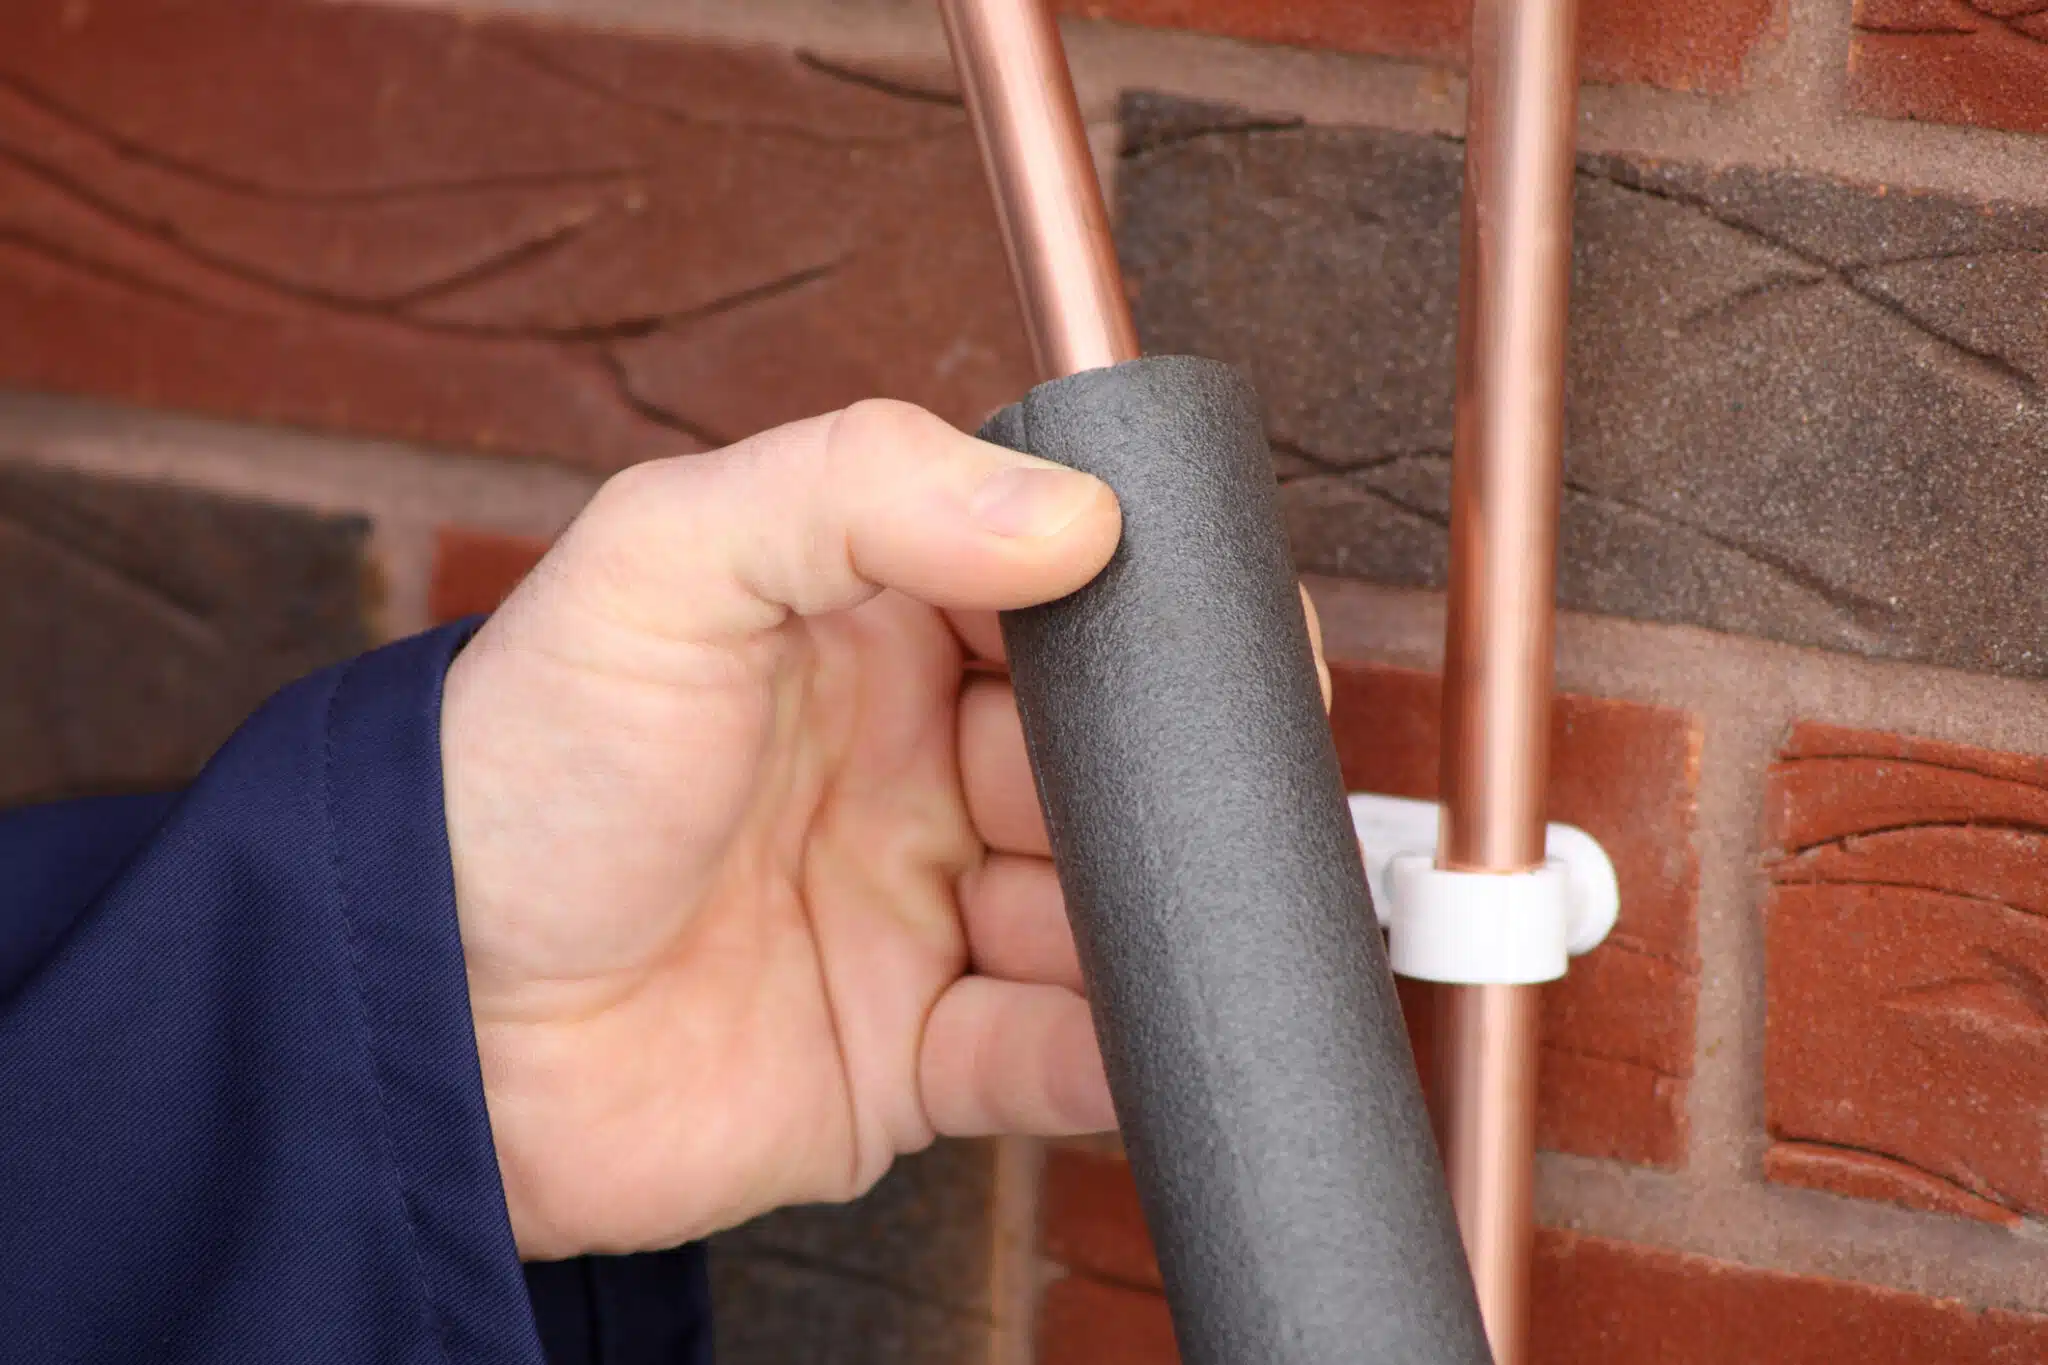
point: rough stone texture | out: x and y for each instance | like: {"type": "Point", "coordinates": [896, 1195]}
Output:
{"type": "Point", "coordinates": [1799, 408]}
{"type": "Point", "coordinates": [1599, 1302]}
{"type": "Point", "coordinates": [775, 1312]}
{"type": "Point", "coordinates": [1084, 1321]}
{"type": "Point", "coordinates": [1865, 1175]}
{"type": "Point", "coordinates": [1951, 61]}
{"type": "Point", "coordinates": [483, 233]}
{"type": "Point", "coordinates": [1684, 47]}
{"type": "Point", "coordinates": [1907, 959]}
{"type": "Point", "coordinates": [1090, 1220]}
{"type": "Point", "coordinates": [141, 623]}
{"type": "Point", "coordinates": [475, 570]}
{"type": "Point", "coordinates": [1594, 1302]}
{"type": "Point", "coordinates": [1618, 1031]}
{"type": "Point", "coordinates": [901, 1275]}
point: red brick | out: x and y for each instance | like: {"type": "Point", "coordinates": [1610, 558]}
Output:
{"type": "Point", "coordinates": [1907, 970]}
{"type": "Point", "coordinates": [475, 570]}
{"type": "Point", "coordinates": [1596, 1301]}
{"type": "Point", "coordinates": [1090, 1221]}
{"type": "Point", "coordinates": [1832, 782]}
{"type": "Point", "coordinates": [1683, 47]}
{"type": "Point", "coordinates": [1597, 1106]}
{"type": "Point", "coordinates": [1860, 1175]}
{"type": "Point", "coordinates": [1599, 1302]}
{"type": "Point", "coordinates": [1945, 61]}
{"type": "Point", "coordinates": [488, 233]}
{"type": "Point", "coordinates": [1618, 1031]}
{"type": "Point", "coordinates": [1089, 1322]}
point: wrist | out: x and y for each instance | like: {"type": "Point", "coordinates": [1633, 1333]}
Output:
{"type": "Point", "coordinates": [518, 1147]}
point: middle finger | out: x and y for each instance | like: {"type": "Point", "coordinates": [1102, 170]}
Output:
{"type": "Point", "coordinates": [995, 770]}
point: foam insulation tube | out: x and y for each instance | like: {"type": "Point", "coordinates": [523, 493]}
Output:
{"type": "Point", "coordinates": [1255, 1047]}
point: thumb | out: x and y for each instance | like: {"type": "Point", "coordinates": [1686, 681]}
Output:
{"type": "Point", "coordinates": [822, 514]}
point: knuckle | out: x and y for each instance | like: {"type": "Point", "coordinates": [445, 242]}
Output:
{"type": "Point", "coordinates": [624, 493]}
{"type": "Point", "coordinates": [877, 424]}
{"type": "Point", "coordinates": [628, 524]}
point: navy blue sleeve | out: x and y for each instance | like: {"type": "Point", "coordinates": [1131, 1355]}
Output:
{"type": "Point", "coordinates": [243, 1118]}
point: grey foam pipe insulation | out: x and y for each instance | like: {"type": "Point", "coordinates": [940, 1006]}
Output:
{"type": "Point", "coordinates": [1255, 1047]}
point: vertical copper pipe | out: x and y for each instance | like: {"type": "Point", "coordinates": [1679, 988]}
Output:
{"type": "Point", "coordinates": [1020, 98]}
{"type": "Point", "coordinates": [1506, 473]}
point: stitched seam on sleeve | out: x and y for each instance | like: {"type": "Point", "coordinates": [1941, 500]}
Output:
{"type": "Point", "coordinates": [344, 906]}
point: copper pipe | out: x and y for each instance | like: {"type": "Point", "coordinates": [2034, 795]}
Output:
{"type": "Point", "coordinates": [1488, 1095]}
{"type": "Point", "coordinates": [1020, 99]}
{"type": "Point", "coordinates": [1507, 468]}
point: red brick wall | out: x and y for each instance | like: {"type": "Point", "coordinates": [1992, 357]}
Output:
{"type": "Point", "coordinates": [1908, 989]}
{"type": "Point", "coordinates": [1949, 61]}
{"type": "Point", "coordinates": [1682, 47]}
{"type": "Point", "coordinates": [475, 570]}
{"type": "Point", "coordinates": [1596, 1301]}
{"type": "Point", "coordinates": [1617, 1034]}
{"type": "Point", "coordinates": [441, 272]}
{"type": "Point", "coordinates": [489, 235]}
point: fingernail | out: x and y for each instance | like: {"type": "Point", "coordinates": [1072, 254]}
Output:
{"type": "Point", "coordinates": [1032, 500]}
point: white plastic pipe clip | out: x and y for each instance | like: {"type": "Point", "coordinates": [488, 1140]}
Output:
{"type": "Point", "coordinates": [1481, 928]}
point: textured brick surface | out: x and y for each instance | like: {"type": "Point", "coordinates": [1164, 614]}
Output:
{"type": "Point", "coordinates": [1618, 1031]}
{"type": "Point", "coordinates": [1685, 47]}
{"type": "Point", "coordinates": [776, 1311]}
{"type": "Point", "coordinates": [1088, 1322]}
{"type": "Point", "coordinates": [1599, 1302]}
{"type": "Point", "coordinates": [140, 624]}
{"type": "Point", "coordinates": [1594, 1302]}
{"type": "Point", "coordinates": [1865, 1175]}
{"type": "Point", "coordinates": [901, 1275]}
{"type": "Point", "coordinates": [475, 570]}
{"type": "Point", "coordinates": [1907, 960]}
{"type": "Point", "coordinates": [1090, 1220]}
{"type": "Point", "coordinates": [481, 233]}
{"type": "Point", "coordinates": [1951, 61]}
{"type": "Point", "coordinates": [1798, 407]}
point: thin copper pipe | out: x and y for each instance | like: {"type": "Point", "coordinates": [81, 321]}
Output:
{"type": "Point", "coordinates": [1506, 472]}
{"type": "Point", "coordinates": [1020, 99]}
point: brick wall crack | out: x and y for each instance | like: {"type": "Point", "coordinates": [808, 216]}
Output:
{"type": "Point", "coordinates": [621, 380]}
{"type": "Point", "coordinates": [1967, 1189]}
{"type": "Point", "coordinates": [1904, 827]}
{"type": "Point", "coordinates": [1418, 511]}
{"type": "Point", "coordinates": [1766, 289]}
{"type": "Point", "coordinates": [387, 307]}
{"type": "Point", "coordinates": [1338, 469]}
{"type": "Point", "coordinates": [61, 255]}
{"type": "Point", "coordinates": [212, 178]}
{"type": "Point", "coordinates": [1621, 941]}
{"type": "Point", "coordinates": [2014, 980]}
{"type": "Point", "coordinates": [576, 80]}
{"type": "Point", "coordinates": [1864, 612]}
{"type": "Point", "coordinates": [1182, 137]}
{"type": "Point", "coordinates": [895, 88]}
{"type": "Point", "coordinates": [1914, 761]}
{"type": "Point", "coordinates": [182, 617]}
{"type": "Point", "coordinates": [1975, 363]}
{"type": "Point", "coordinates": [392, 308]}
{"type": "Point", "coordinates": [1588, 1054]}
{"type": "Point", "coordinates": [1886, 884]}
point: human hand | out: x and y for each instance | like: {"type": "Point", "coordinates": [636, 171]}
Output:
{"type": "Point", "coordinates": [753, 886]}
